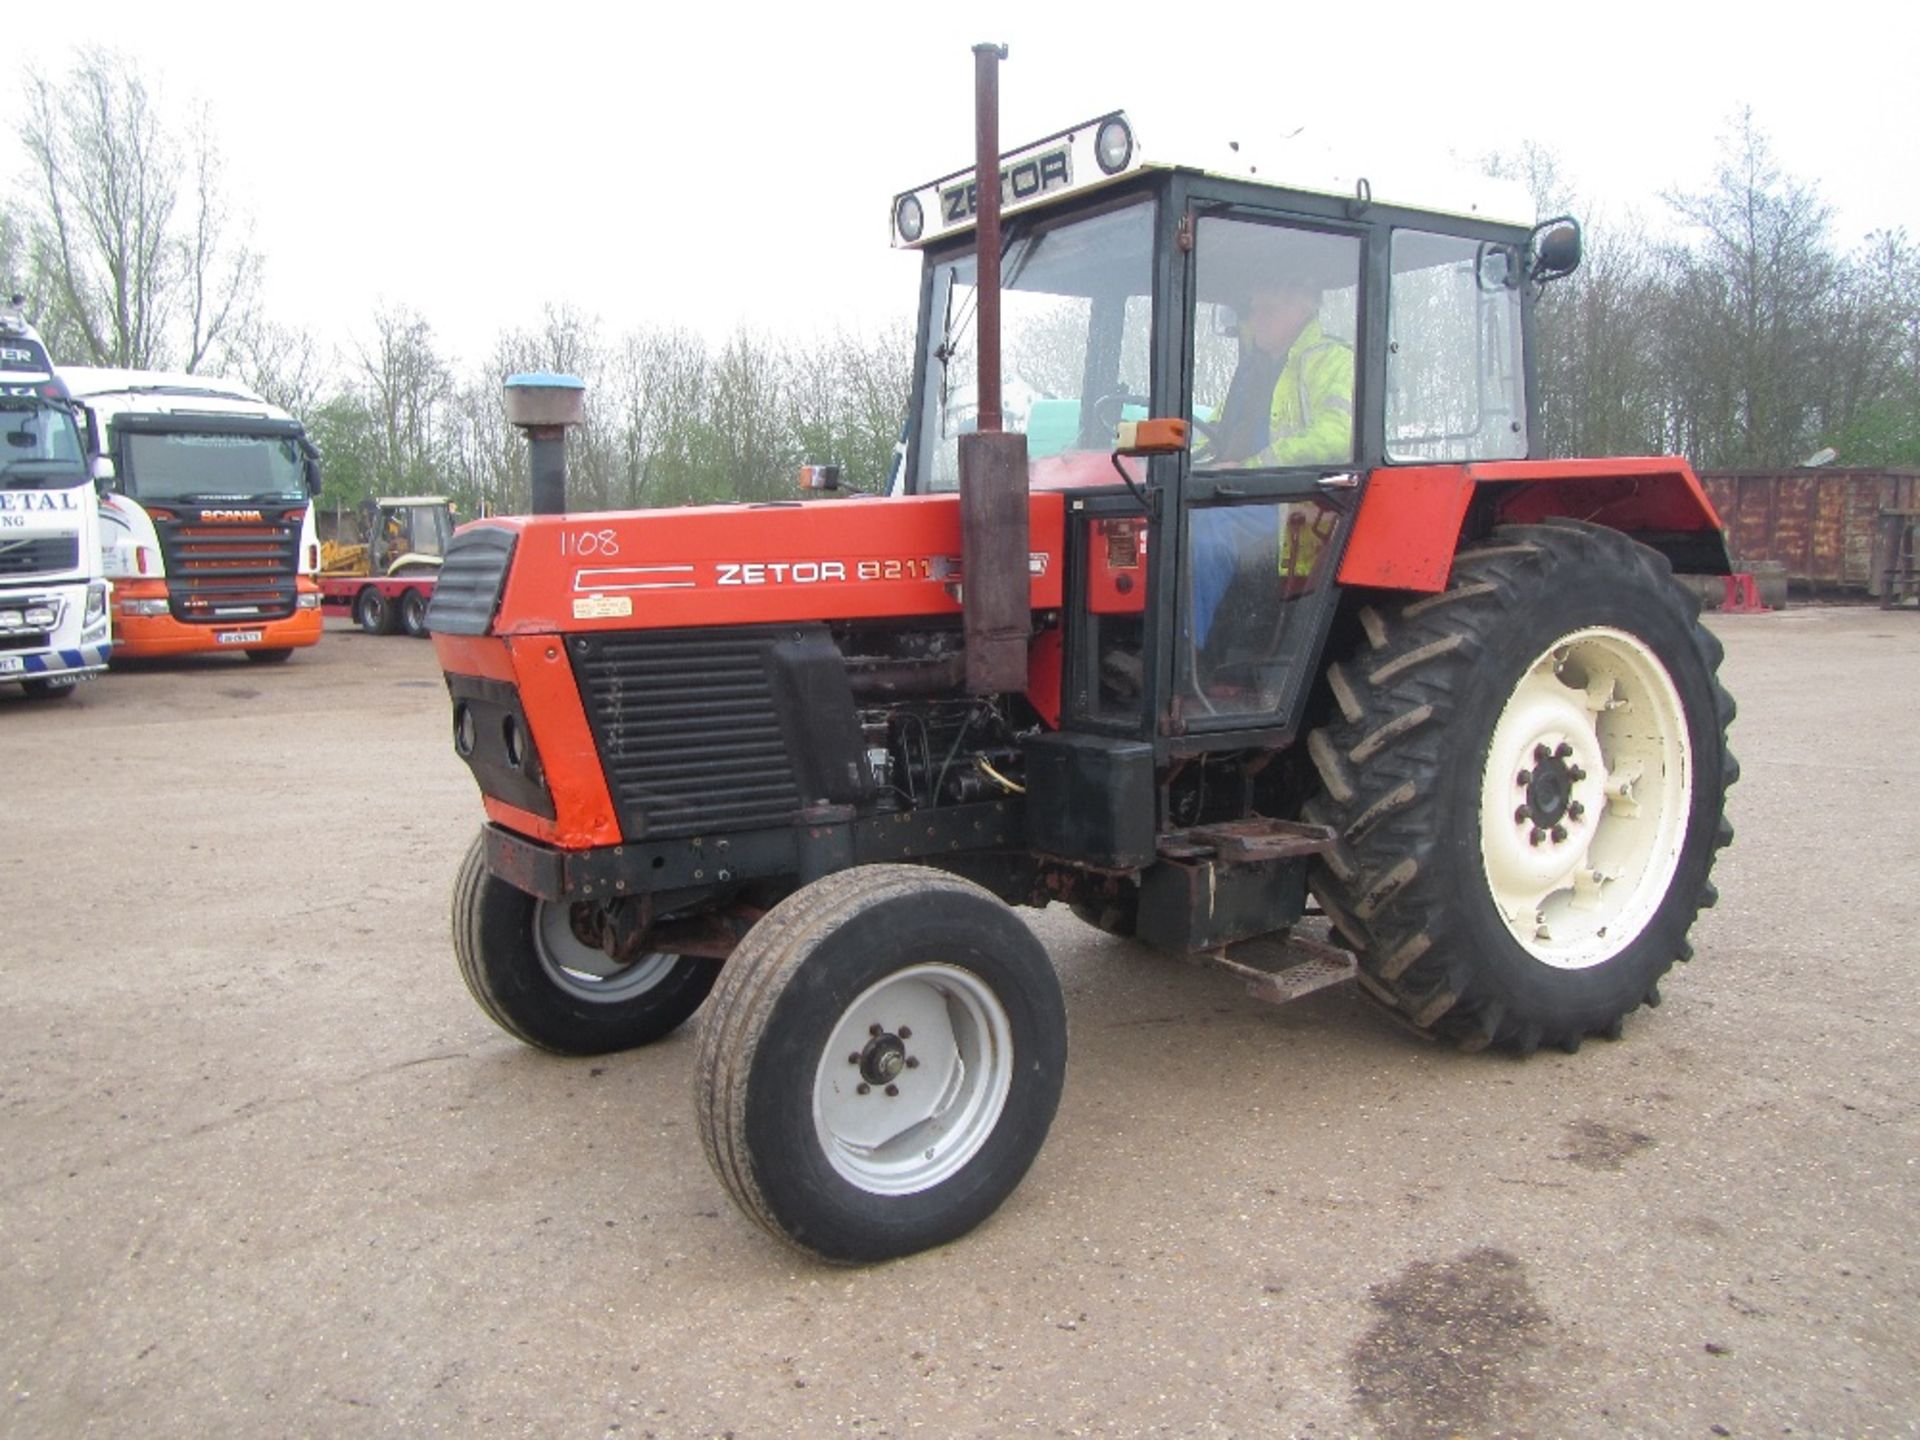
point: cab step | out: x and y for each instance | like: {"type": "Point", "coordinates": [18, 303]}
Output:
{"type": "Point", "coordinates": [1280, 968]}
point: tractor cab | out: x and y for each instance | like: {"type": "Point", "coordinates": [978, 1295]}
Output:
{"type": "Point", "coordinates": [1308, 338]}
{"type": "Point", "coordinates": [406, 535]}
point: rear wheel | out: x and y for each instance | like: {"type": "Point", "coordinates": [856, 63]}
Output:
{"type": "Point", "coordinates": [1527, 774]}
{"type": "Point", "coordinates": [536, 967]}
{"type": "Point", "coordinates": [413, 614]}
{"type": "Point", "coordinates": [372, 613]}
{"type": "Point", "coordinates": [881, 1064]}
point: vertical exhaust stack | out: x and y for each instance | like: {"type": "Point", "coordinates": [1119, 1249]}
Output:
{"type": "Point", "coordinates": [993, 464]}
{"type": "Point", "coordinates": [545, 406]}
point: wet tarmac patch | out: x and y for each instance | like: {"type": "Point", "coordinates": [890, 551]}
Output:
{"type": "Point", "coordinates": [1602, 1147]}
{"type": "Point", "coordinates": [1444, 1358]}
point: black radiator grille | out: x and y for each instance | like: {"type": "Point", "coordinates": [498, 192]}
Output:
{"type": "Point", "coordinates": [688, 730]}
{"type": "Point", "coordinates": [219, 572]}
{"type": "Point", "coordinates": [41, 555]}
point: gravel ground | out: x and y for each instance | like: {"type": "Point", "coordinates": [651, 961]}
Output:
{"type": "Point", "coordinates": [273, 1173]}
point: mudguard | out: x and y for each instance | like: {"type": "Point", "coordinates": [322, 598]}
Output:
{"type": "Point", "coordinates": [1411, 518]}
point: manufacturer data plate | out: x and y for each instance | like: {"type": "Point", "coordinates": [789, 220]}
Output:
{"type": "Point", "coordinates": [238, 637]}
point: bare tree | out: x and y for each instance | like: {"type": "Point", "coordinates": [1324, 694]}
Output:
{"type": "Point", "coordinates": [130, 229]}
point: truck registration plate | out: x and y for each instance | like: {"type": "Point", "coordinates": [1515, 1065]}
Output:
{"type": "Point", "coordinates": [237, 637]}
{"type": "Point", "coordinates": [11, 664]}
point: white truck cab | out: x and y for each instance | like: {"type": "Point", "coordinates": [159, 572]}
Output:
{"type": "Point", "coordinates": [54, 624]}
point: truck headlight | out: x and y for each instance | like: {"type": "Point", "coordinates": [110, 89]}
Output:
{"type": "Point", "coordinates": [143, 607]}
{"type": "Point", "coordinates": [309, 600]}
{"type": "Point", "coordinates": [96, 604]}
{"type": "Point", "coordinates": [39, 617]}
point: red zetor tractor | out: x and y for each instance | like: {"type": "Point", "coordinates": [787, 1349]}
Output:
{"type": "Point", "coordinates": [1313, 637]}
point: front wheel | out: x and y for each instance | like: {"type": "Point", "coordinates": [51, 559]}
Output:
{"type": "Point", "coordinates": [1527, 773]}
{"type": "Point", "coordinates": [48, 689]}
{"type": "Point", "coordinates": [538, 970]}
{"type": "Point", "coordinates": [276, 656]}
{"type": "Point", "coordinates": [881, 1063]}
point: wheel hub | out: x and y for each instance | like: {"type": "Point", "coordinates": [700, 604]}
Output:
{"type": "Point", "coordinates": [884, 1057]}
{"type": "Point", "coordinates": [1548, 786]}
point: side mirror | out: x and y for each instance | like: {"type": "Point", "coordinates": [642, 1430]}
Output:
{"type": "Point", "coordinates": [312, 468]}
{"type": "Point", "coordinates": [1554, 249]}
{"type": "Point", "coordinates": [101, 468]}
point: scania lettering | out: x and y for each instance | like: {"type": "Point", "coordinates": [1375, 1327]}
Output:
{"type": "Point", "coordinates": [208, 534]}
{"type": "Point", "coordinates": [53, 597]}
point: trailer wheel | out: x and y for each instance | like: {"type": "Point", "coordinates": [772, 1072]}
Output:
{"type": "Point", "coordinates": [881, 1062]}
{"type": "Point", "coordinates": [1527, 772]}
{"type": "Point", "coordinates": [371, 612]}
{"type": "Point", "coordinates": [542, 982]}
{"type": "Point", "coordinates": [413, 614]}
{"type": "Point", "coordinates": [276, 656]}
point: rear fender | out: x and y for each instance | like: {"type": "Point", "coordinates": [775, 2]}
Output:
{"type": "Point", "coordinates": [1413, 518]}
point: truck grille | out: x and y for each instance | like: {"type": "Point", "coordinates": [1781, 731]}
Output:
{"type": "Point", "coordinates": [221, 572]}
{"type": "Point", "coordinates": [39, 555]}
{"type": "Point", "coordinates": [688, 731]}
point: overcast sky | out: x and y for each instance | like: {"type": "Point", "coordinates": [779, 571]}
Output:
{"type": "Point", "coordinates": [714, 164]}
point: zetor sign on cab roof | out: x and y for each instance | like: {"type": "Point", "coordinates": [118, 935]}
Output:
{"type": "Point", "coordinates": [1079, 158]}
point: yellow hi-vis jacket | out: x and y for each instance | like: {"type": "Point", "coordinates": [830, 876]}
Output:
{"type": "Point", "coordinates": [1311, 419]}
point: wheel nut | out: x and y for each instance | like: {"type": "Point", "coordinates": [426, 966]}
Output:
{"type": "Point", "coordinates": [875, 1030]}
{"type": "Point", "coordinates": [1520, 815]}
{"type": "Point", "coordinates": [1541, 754]}
{"type": "Point", "coordinates": [893, 1089]}
{"type": "Point", "coordinates": [854, 1059]}
{"type": "Point", "coordinates": [1576, 810]}
{"type": "Point", "coordinates": [1576, 774]}
{"type": "Point", "coordinates": [1562, 750]}
{"type": "Point", "coordinates": [1559, 834]}
{"type": "Point", "coordinates": [905, 1032]}
{"type": "Point", "coordinates": [862, 1088]}
{"type": "Point", "coordinates": [1537, 836]}
{"type": "Point", "coordinates": [1525, 777]}
{"type": "Point", "coordinates": [913, 1062]}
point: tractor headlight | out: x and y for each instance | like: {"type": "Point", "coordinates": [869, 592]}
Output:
{"type": "Point", "coordinates": [1113, 145]}
{"type": "Point", "coordinates": [909, 219]}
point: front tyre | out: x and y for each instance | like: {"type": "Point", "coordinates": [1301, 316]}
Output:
{"type": "Point", "coordinates": [278, 655]}
{"type": "Point", "coordinates": [881, 1063]}
{"type": "Point", "coordinates": [1528, 773]}
{"type": "Point", "coordinates": [533, 966]}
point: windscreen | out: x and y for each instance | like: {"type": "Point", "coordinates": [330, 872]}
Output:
{"type": "Point", "coordinates": [214, 466]}
{"type": "Point", "coordinates": [41, 446]}
{"type": "Point", "coordinates": [1456, 389]}
{"type": "Point", "coordinates": [1075, 322]}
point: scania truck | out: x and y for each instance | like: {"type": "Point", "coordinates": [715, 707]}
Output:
{"type": "Point", "coordinates": [208, 533]}
{"type": "Point", "coordinates": [53, 597]}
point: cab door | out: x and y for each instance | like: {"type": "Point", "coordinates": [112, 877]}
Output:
{"type": "Point", "coordinates": [1273, 385]}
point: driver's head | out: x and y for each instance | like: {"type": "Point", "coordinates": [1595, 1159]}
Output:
{"type": "Point", "coordinates": [1278, 310]}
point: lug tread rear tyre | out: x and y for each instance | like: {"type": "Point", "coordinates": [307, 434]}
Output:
{"type": "Point", "coordinates": [756, 995]}
{"type": "Point", "coordinates": [1396, 883]}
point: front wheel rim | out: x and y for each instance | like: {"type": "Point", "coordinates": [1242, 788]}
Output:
{"type": "Point", "coordinates": [1585, 798]}
{"type": "Point", "coordinates": [913, 1080]}
{"type": "Point", "coordinates": [584, 970]}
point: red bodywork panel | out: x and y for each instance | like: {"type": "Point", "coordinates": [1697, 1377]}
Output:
{"type": "Point", "coordinates": [1410, 516]}
{"type": "Point", "coordinates": [714, 565]}
{"type": "Point", "coordinates": [850, 559]}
